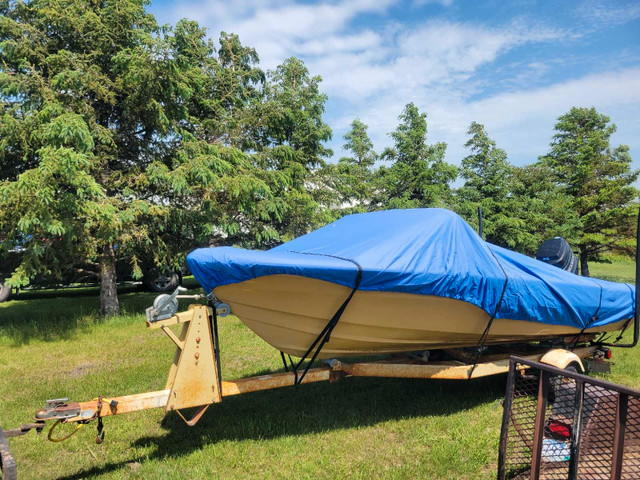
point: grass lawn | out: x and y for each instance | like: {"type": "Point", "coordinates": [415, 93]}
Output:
{"type": "Point", "coordinates": [52, 344]}
{"type": "Point", "coordinates": [618, 271]}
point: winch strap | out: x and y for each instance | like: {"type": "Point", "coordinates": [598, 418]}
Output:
{"type": "Point", "coordinates": [213, 326]}
{"type": "Point", "coordinates": [325, 335]}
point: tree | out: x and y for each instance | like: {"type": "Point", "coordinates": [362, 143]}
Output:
{"type": "Point", "coordinates": [103, 153]}
{"type": "Point", "coordinates": [357, 142]}
{"type": "Point", "coordinates": [487, 175]}
{"type": "Point", "coordinates": [292, 113]}
{"type": "Point", "coordinates": [418, 176]}
{"type": "Point", "coordinates": [351, 179]}
{"type": "Point", "coordinates": [541, 207]}
{"type": "Point", "coordinates": [597, 177]}
{"type": "Point", "coordinates": [229, 95]}
{"type": "Point", "coordinates": [289, 140]}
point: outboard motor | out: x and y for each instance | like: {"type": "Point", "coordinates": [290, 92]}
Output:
{"type": "Point", "coordinates": [557, 252]}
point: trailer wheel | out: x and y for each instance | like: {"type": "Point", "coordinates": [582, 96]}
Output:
{"type": "Point", "coordinates": [557, 381]}
{"type": "Point", "coordinates": [573, 367]}
{"type": "Point", "coordinates": [5, 292]}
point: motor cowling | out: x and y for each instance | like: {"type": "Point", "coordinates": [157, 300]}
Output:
{"type": "Point", "coordinates": [557, 252]}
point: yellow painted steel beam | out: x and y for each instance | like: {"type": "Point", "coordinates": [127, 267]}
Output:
{"type": "Point", "coordinates": [193, 376]}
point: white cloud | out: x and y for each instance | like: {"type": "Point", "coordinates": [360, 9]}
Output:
{"type": "Point", "coordinates": [280, 29]}
{"type": "Point", "coordinates": [432, 53]}
{"type": "Point", "coordinates": [372, 71]}
{"type": "Point", "coordinates": [597, 14]}
{"type": "Point", "coordinates": [520, 122]}
{"type": "Point", "coordinates": [332, 45]}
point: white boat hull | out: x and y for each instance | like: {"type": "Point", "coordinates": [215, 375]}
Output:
{"type": "Point", "coordinates": [289, 312]}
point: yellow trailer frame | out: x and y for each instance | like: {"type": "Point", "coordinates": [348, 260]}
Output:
{"type": "Point", "coordinates": [194, 381]}
{"type": "Point", "coordinates": [194, 377]}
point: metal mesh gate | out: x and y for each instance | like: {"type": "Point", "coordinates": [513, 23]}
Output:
{"type": "Point", "coordinates": [558, 424]}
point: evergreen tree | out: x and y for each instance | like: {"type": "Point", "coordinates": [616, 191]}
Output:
{"type": "Point", "coordinates": [235, 93]}
{"type": "Point", "coordinates": [488, 184]}
{"type": "Point", "coordinates": [290, 136]}
{"type": "Point", "coordinates": [357, 142]}
{"type": "Point", "coordinates": [597, 177]}
{"type": "Point", "coordinates": [103, 152]}
{"type": "Point", "coordinates": [418, 176]}
{"type": "Point", "coordinates": [543, 209]}
{"type": "Point", "coordinates": [351, 179]}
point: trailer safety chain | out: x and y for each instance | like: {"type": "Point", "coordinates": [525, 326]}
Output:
{"type": "Point", "coordinates": [81, 423]}
{"type": "Point", "coordinates": [100, 428]}
{"type": "Point", "coordinates": [325, 335]}
{"type": "Point", "coordinates": [100, 434]}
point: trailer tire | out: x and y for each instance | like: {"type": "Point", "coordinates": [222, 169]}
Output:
{"type": "Point", "coordinates": [5, 292]}
{"type": "Point", "coordinates": [556, 381]}
{"type": "Point", "coordinates": [574, 368]}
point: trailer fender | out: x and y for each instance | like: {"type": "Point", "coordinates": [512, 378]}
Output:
{"type": "Point", "coordinates": [561, 359]}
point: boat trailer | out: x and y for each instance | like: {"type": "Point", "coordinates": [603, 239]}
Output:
{"type": "Point", "coordinates": [194, 379]}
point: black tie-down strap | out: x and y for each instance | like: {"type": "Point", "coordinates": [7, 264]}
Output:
{"type": "Point", "coordinates": [325, 335]}
{"type": "Point", "coordinates": [485, 333]}
{"type": "Point", "coordinates": [574, 343]}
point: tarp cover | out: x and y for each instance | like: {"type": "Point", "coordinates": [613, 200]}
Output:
{"type": "Point", "coordinates": [426, 252]}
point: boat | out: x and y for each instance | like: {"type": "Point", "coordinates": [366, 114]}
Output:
{"type": "Point", "coordinates": [401, 281]}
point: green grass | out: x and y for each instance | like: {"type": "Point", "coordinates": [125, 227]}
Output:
{"type": "Point", "coordinates": [620, 270]}
{"type": "Point", "coordinates": [53, 344]}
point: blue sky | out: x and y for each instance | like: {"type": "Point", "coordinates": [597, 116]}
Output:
{"type": "Point", "coordinates": [514, 66]}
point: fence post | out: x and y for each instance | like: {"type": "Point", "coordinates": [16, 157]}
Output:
{"type": "Point", "coordinates": [538, 432]}
{"type": "Point", "coordinates": [575, 431]}
{"type": "Point", "coordinates": [506, 416]}
{"type": "Point", "coordinates": [618, 436]}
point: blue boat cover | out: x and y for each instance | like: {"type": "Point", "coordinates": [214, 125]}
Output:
{"type": "Point", "coordinates": [426, 252]}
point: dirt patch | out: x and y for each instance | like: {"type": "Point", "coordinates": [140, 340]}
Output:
{"type": "Point", "coordinates": [85, 368]}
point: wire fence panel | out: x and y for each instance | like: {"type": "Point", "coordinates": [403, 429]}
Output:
{"type": "Point", "coordinates": [560, 425]}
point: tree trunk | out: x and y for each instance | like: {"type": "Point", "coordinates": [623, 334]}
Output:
{"type": "Point", "coordinates": [584, 264]}
{"type": "Point", "coordinates": [109, 304]}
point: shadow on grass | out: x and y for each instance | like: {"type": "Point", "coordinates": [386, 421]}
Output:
{"type": "Point", "coordinates": [313, 408]}
{"type": "Point", "coordinates": [51, 315]}
{"type": "Point", "coordinates": [70, 292]}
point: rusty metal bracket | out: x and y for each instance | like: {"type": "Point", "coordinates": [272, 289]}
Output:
{"type": "Point", "coordinates": [24, 429]}
{"type": "Point", "coordinates": [58, 409]}
{"type": "Point", "coordinates": [196, 416]}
